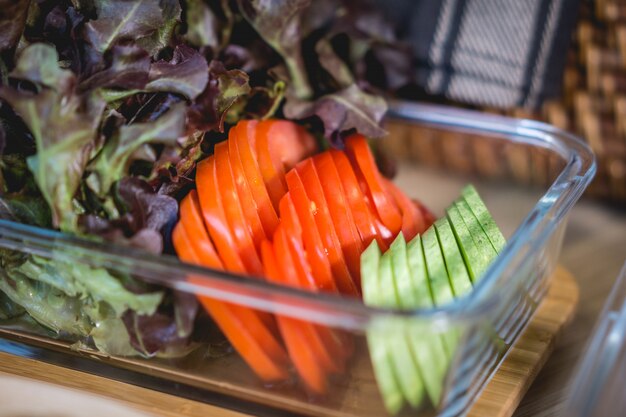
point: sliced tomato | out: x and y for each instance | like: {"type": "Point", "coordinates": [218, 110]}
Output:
{"type": "Point", "coordinates": [214, 216]}
{"type": "Point", "coordinates": [313, 244]}
{"type": "Point", "coordinates": [272, 171]}
{"type": "Point", "coordinates": [243, 327]}
{"type": "Point", "coordinates": [364, 215]}
{"type": "Point", "coordinates": [429, 217]}
{"type": "Point", "coordinates": [321, 214]}
{"type": "Point", "coordinates": [294, 332]}
{"type": "Point", "coordinates": [293, 232]}
{"type": "Point", "coordinates": [234, 215]}
{"type": "Point", "coordinates": [412, 219]}
{"type": "Point", "coordinates": [338, 343]}
{"type": "Point", "coordinates": [248, 204]}
{"type": "Point", "coordinates": [289, 143]}
{"type": "Point", "coordinates": [326, 348]}
{"type": "Point", "coordinates": [241, 143]}
{"type": "Point", "coordinates": [364, 165]}
{"type": "Point", "coordinates": [349, 237]}
{"type": "Point", "coordinates": [191, 218]}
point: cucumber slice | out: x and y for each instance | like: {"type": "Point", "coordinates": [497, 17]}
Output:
{"type": "Point", "coordinates": [476, 204]}
{"type": "Point", "coordinates": [429, 352]}
{"type": "Point", "coordinates": [419, 275]}
{"type": "Point", "coordinates": [377, 341]}
{"type": "Point", "coordinates": [406, 295]}
{"type": "Point", "coordinates": [440, 285]}
{"type": "Point", "coordinates": [473, 258]}
{"type": "Point", "coordinates": [479, 236]}
{"type": "Point", "coordinates": [455, 265]}
{"type": "Point", "coordinates": [370, 258]}
{"type": "Point", "coordinates": [393, 270]}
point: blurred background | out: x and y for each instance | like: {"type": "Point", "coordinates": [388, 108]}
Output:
{"type": "Point", "coordinates": [558, 61]}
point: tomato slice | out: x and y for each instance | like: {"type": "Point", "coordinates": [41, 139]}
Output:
{"type": "Point", "coordinates": [326, 347]}
{"type": "Point", "coordinates": [241, 146]}
{"type": "Point", "coordinates": [412, 218]}
{"type": "Point", "coordinates": [280, 145]}
{"type": "Point", "coordinates": [248, 205]}
{"type": "Point", "coordinates": [243, 327]}
{"type": "Point", "coordinates": [349, 237]}
{"type": "Point", "coordinates": [364, 215]}
{"type": "Point", "coordinates": [339, 343]}
{"type": "Point", "coordinates": [321, 214]}
{"type": "Point", "coordinates": [227, 191]}
{"type": "Point", "coordinates": [214, 216]}
{"type": "Point", "coordinates": [313, 244]}
{"type": "Point", "coordinates": [429, 217]}
{"type": "Point", "coordinates": [293, 233]}
{"type": "Point", "coordinates": [295, 334]}
{"type": "Point", "coordinates": [191, 218]}
{"type": "Point", "coordinates": [364, 165]}
{"type": "Point", "coordinates": [272, 171]}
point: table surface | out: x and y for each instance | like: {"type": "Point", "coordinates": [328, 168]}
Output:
{"type": "Point", "coordinates": [594, 250]}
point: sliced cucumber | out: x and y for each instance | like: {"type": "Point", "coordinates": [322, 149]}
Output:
{"type": "Point", "coordinates": [429, 352]}
{"type": "Point", "coordinates": [476, 204]}
{"type": "Point", "coordinates": [377, 341]}
{"type": "Point", "coordinates": [455, 265]}
{"type": "Point", "coordinates": [393, 273]}
{"type": "Point", "coordinates": [472, 257]}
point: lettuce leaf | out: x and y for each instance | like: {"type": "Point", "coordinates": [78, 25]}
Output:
{"type": "Point", "coordinates": [77, 301]}
{"type": "Point", "coordinates": [113, 161]}
{"type": "Point", "coordinates": [12, 20]}
{"type": "Point", "coordinates": [62, 123]}
{"type": "Point", "coordinates": [121, 19]}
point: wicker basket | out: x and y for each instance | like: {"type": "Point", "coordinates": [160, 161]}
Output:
{"type": "Point", "coordinates": [592, 105]}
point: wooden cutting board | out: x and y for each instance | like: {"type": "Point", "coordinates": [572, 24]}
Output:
{"type": "Point", "coordinates": [498, 399]}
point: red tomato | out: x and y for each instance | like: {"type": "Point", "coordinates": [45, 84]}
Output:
{"type": "Point", "coordinates": [340, 212]}
{"type": "Point", "coordinates": [328, 233]}
{"type": "Point", "coordinates": [364, 216]}
{"type": "Point", "coordinates": [313, 244]}
{"type": "Point", "coordinates": [364, 165]}
{"type": "Point", "coordinates": [294, 332]}
{"type": "Point", "coordinates": [241, 145]}
{"type": "Point", "coordinates": [243, 327]}
{"type": "Point", "coordinates": [240, 230]}
{"type": "Point", "coordinates": [214, 216]}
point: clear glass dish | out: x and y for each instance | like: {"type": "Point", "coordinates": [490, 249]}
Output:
{"type": "Point", "coordinates": [483, 324]}
{"type": "Point", "coordinates": [597, 389]}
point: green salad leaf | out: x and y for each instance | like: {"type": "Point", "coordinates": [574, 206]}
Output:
{"type": "Point", "coordinates": [106, 106]}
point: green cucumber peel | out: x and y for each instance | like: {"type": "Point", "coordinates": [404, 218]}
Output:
{"type": "Point", "coordinates": [455, 264]}
{"type": "Point", "coordinates": [478, 207]}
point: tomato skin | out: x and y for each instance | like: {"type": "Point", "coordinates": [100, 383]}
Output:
{"type": "Point", "coordinates": [362, 160]}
